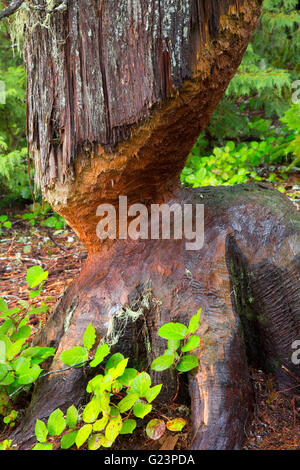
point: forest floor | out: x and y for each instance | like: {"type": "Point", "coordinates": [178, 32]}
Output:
{"type": "Point", "coordinates": [276, 421]}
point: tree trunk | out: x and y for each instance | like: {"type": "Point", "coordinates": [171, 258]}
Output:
{"type": "Point", "coordinates": [247, 280]}
{"type": "Point", "coordinates": [118, 91]}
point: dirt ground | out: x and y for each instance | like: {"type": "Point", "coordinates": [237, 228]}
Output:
{"type": "Point", "coordinates": [276, 421]}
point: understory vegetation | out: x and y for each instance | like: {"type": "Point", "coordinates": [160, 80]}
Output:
{"type": "Point", "coordinates": [119, 394]}
{"type": "Point", "coordinates": [254, 134]}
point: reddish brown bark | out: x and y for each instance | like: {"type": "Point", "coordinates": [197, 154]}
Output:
{"type": "Point", "coordinates": [248, 229]}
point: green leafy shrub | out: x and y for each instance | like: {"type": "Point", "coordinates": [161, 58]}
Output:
{"type": "Point", "coordinates": [19, 363]}
{"type": "Point", "coordinates": [291, 119]}
{"type": "Point", "coordinates": [179, 337]}
{"type": "Point", "coordinates": [4, 223]}
{"type": "Point", "coordinates": [14, 182]}
{"type": "Point", "coordinates": [119, 396]}
{"type": "Point", "coordinates": [44, 216]}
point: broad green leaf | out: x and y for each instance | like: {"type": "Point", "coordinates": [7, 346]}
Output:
{"type": "Point", "coordinates": [3, 307]}
{"type": "Point", "coordinates": [176, 424]}
{"type": "Point", "coordinates": [68, 440]}
{"type": "Point", "coordinates": [128, 426]}
{"type": "Point", "coordinates": [101, 353]}
{"type": "Point", "coordinates": [92, 410]}
{"type": "Point", "coordinates": [113, 361]}
{"type": "Point", "coordinates": [74, 356]}
{"type": "Point", "coordinates": [83, 435]}
{"type": "Point", "coordinates": [192, 343]}
{"type": "Point", "coordinates": [41, 431]}
{"type": "Point", "coordinates": [6, 326]}
{"type": "Point", "coordinates": [38, 354]}
{"type": "Point", "coordinates": [24, 321]}
{"type": "Point", "coordinates": [105, 403]}
{"type": "Point", "coordinates": [120, 368]}
{"type": "Point", "coordinates": [187, 363]}
{"type": "Point", "coordinates": [100, 424]}
{"type": "Point", "coordinates": [89, 337]}
{"type": "Point", "coordinates": [195, 322]}
{"type": "Point", "coordinates": [163, 362]}
{"type": "Point", "coordinates": [153, 393]}
{"type": "Point", "coordinates": [141, 384]}
{"type": "Point", "coordinates": [56, 423]}
{"type": "Point", "coordinates": [114, 411]}
{"type": "Point", "coordinates": [3, 218]}
{"type": "Point", "coordinates": [173, 344]}
{"type": "Point", "coordinates": [5, 445]}
{"type": "Point", "coordinates": [109, 379]}
{"type": "Point", "coordinates": [155, 429]}
{"type": "Point", "coordinates": [2, 352]}
{"type": "Point", "coordinates": [173, 331]}
{"type": "Point", "coordinates": [96, 385]}
{"type": "Point", "coordinates": [40, 446]}
{"type": "Point", "coordinates": [14, 349]}
{"type": "Point", "coordinates": [8, 379]}
{"type": "Point", "coordinates": [72, 417]}
{"type": "Point", "coordinates": [127, 402]}
{"type": "Point", "coordinates": [32, 295]}
{"type": "Point", "coordinates": [23, 333]}
{"type": "Point", "coordinates": [106, 442]}
{"type": "Point", "coordinates": [128, 376]}
{"type": "Point", "coordinates": [21, 365]}
{"type": "Point", "coordinates": [113, 428]}
{"type": "Point", "coordinates": [6, 340]}
{"type": "Point", "coordinates": [95, 442]}
{"type": "Point", "coordinates": [30, 375]}
{"type": "Point", "coordinates": [140, 410]}
{"type": "Point", "coordinates": [4, 368]}
{"type": "Point", "coordinates": [116, 387]}
{"type": "Point", "coordinates": [35, 276]}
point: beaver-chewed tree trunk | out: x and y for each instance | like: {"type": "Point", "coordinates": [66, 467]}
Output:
{"type": "Point", "coordinates": [118, 91]}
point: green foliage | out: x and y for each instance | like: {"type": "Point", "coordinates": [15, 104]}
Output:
{"type": "Point", "coordinates": [4, 223]}
{"type": "Point", "coordinates": [43, 215]}
{"type": "Point", "coordinates": [291, 119]}
{"type": "Point", "coordinates": [117, 394]}
{"type": "Point", "coordinates": [236, 163]}
{"type": "Point", "coordinates": [6, 445]}
{"type": "Point", "coordinates": [271, 62]}
{"type": "Point", "coordinates": [176, 424]}
{"type": "Point", "coordinates": [19, 363]}
{"type": "Point", "coordinates": [246, 131]}
{"type": "Point", "coordinates": [13, 150]}
{"type": "Point", "coordinates": [155, 429]}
